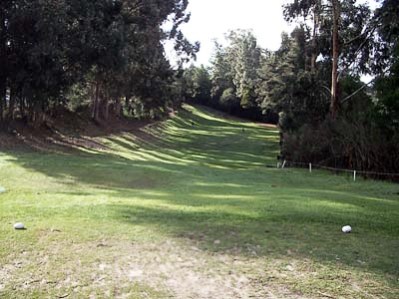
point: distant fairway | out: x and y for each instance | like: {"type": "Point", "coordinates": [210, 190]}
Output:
{"type": "Point", "coordinates": [188, 209]}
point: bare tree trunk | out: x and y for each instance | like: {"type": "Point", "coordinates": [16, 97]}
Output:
{"type": "Point", "coordinates": [38, 114]}
{"type": "Point", "coordinates": [118, 107]}
{"type": "Point", "coordinates": [22, 108]}
{"type": "Point", "coordinates": [127, 102]}
{"type": "Point", "coordinates": [105, 106]}
{"type": "Point", "coordinates": [334, 79]}
{"type": "Point", "coordinates": [92, 98]}
{"type": "Point", "coordinates": [3, 61]}
{"type": "Point", "coordinates": [95, 113]}
{"type": "Point", "coordinates": [11, 106]}
{"type": "Point", "coordinates": [3, 94]}
{"type": "Point", "coordinates": [106, 110]}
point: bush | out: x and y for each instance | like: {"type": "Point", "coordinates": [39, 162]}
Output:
{"type": "Point", "coordinates": [344, 144]}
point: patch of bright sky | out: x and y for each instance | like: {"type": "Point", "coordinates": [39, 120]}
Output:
{"type": "Point", "coordinates": [212, 19]}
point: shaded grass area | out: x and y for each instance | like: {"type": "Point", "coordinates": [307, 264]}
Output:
{"type": "Point", "coordinates": [200, 180]}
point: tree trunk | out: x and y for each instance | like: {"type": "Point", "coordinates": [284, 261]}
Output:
{"type": "Point", "coordinates": [335, 55]}
{"type": "Point", "coordinates": [22, 108]}
{"type": "Point", "coordinates": [127, 103]}
{"type": "Point", "coordinates": [3, 61]}
{"type": "Point", "coordinates": [314, 40]}
{"type": "Point", "coordinates": [11, 106]}
{"type": "Point", "coordinates": [3, 94]}
{"type": "Point", "coordinates": [105, 108]}
{"type": "Point", "coordinates": [118, 107]}
{"type": "Point", "coordinates": [95, 113]}
{"type": "Point", "coordinates": [38, 114]}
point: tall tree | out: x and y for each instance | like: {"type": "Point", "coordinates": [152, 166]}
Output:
{"type": "Point", "coordinates": [341, 34]}
{"type": "Point", "coordinates": [287, 86]}
{"type": "Point", "coordinates": [198, 84]}
{"type": "Point", "coordinates": [113, 47]}
{"type": "Point", "coordinates": [221, 72]}
{"type": "Point", "coordinates": [387, 66]}
{"type": "Point", "coordinates": [4, 11]}
{"type": "Point", "coordinates": [245, 56]}
{"type": "Point", "coordinates": [234, 72]}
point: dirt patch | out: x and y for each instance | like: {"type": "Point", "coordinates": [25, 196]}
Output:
{"type": "Point", "coordinates": [111, 267]}
{"type": "Point", "coordinates": [192, 273]}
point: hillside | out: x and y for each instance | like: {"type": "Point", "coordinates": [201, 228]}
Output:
{"type": "Point", "coordinates": [186, 208]}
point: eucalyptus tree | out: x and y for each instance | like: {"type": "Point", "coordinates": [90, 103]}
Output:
{"type": "Point", "coordinates": [340, 32]}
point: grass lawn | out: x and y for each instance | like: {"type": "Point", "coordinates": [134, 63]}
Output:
{"type": "Point", "coordinates": [187, 209]}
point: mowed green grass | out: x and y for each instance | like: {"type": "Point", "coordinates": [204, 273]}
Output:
{"type": "Point", "coordinates": [198, 181]}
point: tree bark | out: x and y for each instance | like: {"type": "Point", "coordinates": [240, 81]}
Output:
{"type": "Point", "coordinates": [3, 94]}
{"type": "Point", "coordinates": [335, 56]}
{"type": "Point", "coordinates": [104, 108]}
{"type": "Point", "coordinates": [38, 114]}
{"type": "Point", "coordinates": [103, 105]}
{"type": "Point", "coordinates": [11, 106]}
{"type": "Point", "coordinates": [127, 103]}
{"type": "Point", "coordinates": [22, 108]}
{"type": "Point", "coordinates": [95, 113]}
{"type": "Point", "coordinates": [3, 61]}
{"type": "Point", "coordinates": [118, 107]}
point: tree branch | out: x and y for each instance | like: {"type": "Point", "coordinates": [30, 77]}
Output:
{"type": "Point", "coordinates": [356, 92]}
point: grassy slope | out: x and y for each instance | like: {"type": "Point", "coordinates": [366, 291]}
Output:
{"type": "Point", "coordinates": [198, 181]}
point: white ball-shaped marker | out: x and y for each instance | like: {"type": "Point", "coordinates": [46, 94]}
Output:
{"type": "Point", "coordinates": [2, 189]}
{"type": "Point", "coordinates": [346, 229]}
{"type": "Point", "coordinates": [19, 226]}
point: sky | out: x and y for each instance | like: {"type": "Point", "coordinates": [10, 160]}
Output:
{"type": "Point", "coordinates": [211, 19]}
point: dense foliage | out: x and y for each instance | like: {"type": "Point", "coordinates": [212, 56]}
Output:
{"type": "Point", "coordinates": [327, 115]}
{"type": "Point", "coordinates": [95, 51]}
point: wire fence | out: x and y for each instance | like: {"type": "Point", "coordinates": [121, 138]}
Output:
{"type": "Point", "coordinates": [352, 172]}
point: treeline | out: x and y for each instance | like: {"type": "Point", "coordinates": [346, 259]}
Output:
{"type": "Point", "coordinates": [312, 84]}
{"type": "Point", "coordinates": [107, 55]}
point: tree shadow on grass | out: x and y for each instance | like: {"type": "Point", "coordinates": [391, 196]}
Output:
{"type": "Point", "coordinates": [241, 234]}
{"type": "Point", "coordinates": [202, 205]}
{"type": "Point", "coordinates": [210, 187]}
{"type": "Point", "coordinates": [135, 153]}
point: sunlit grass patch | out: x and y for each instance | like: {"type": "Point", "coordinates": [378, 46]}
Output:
{"type": "Point", "coordinates": [189, 203]}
